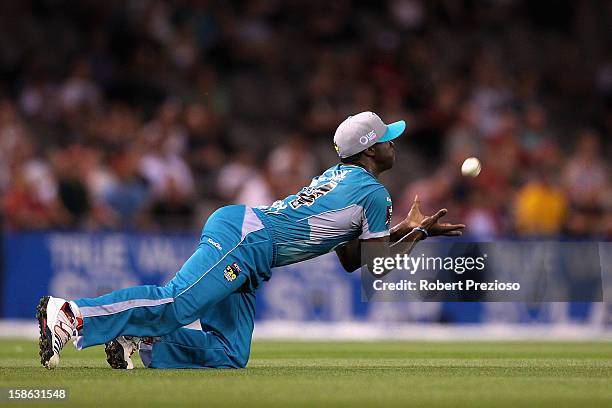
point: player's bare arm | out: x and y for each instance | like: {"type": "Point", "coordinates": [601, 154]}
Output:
{"type": "Point", "coordinates": [402, 239]}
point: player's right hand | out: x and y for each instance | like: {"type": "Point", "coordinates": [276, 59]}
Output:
{"type": "Point", "coordinates": [431, 223]}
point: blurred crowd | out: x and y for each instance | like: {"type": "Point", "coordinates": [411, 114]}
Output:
{"type": "Point", "coordinates": [148, 114]}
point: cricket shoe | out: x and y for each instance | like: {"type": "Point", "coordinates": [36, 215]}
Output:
{"type": "Point", "coordinates": [120, 350]}
{"type": "Point", "coordinates": [57, 324]}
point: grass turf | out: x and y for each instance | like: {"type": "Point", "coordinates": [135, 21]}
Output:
{"type": "Point", "coordinates": [290, 374]}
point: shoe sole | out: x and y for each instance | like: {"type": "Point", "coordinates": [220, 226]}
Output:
{"type": "Point", "coordinates": [114, 355]}
{"type": "Point", "coordinates": [45, 348]}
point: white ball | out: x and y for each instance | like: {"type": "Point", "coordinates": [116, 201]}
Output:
{"type": "Point", "coordinates": [471, 167]}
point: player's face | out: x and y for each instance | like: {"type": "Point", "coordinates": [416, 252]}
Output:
{"type": "Point", "coordinates": [385, 155]}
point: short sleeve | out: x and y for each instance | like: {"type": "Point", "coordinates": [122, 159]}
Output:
{"type": "Point", "coordinates": [377, 211]}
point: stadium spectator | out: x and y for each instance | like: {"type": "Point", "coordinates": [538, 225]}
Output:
{"type": "Point", "coordinates": [73, 192]}
{"type": "Point", "coordinates": [23, 209]}
{"type": "Point", "coordinates": [174, 210]}
{"type": "Point", "coordinates": [541, 207]}
{"type": "Point", "coordinates": [127, 192]}
{"type": "Point", "coordinates": [587, 182]}
{"type": "Point", "coordinates": [586, 175]}
{"type": "Point", "coordinates": [162, 164]}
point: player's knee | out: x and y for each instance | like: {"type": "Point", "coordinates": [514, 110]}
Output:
{"type": "Point", "coordinates": [240, 361]}
{"type": "Point", "coordinates": [241, 364]}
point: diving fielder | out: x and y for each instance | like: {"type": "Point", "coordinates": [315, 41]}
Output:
{"type": "Point", "coordinates": [340, 210]}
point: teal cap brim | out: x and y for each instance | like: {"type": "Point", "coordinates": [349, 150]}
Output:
{"type": "Point", "coordinates": [394, 130]}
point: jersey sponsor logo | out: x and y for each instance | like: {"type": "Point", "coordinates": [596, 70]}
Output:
{"type": "Point", "coordinates": [215, 244]}
{"type": "Point", "coordinates": [309, 195]}
{"type": "Point", "coordinates": [231, 272]}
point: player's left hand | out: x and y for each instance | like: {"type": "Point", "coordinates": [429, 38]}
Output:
{"type": "Point", "coordinates": [415, 219]}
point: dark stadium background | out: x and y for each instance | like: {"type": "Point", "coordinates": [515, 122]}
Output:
{"type": "Point", "coordinates": [145, 116]}
{"type": "Point", "coordinates": [149, 114]}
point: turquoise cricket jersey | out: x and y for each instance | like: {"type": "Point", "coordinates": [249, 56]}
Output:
{"type": "Point", "coordinates": [343, 203]}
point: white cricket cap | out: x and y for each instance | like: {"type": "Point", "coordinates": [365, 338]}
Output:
{"type": "Point", "coordinates": [363, 130]}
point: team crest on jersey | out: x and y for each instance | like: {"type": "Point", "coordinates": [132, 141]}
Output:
{"type": "Point", "coordinates": [231, 272]}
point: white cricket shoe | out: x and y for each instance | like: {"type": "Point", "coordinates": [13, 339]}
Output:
{"type": "Point", "coordinates": [57, 324]}
{"type": "Point", "coordinates": [120, 350]}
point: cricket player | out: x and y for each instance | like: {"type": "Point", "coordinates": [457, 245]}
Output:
{"type": "Point", "coordinates": [339, 211]}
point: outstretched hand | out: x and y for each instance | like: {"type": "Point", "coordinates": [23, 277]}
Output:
{"type": "Point", "coordinates": [431, 223]}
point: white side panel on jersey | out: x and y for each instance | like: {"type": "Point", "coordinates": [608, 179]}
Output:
{"type": "Point", "coordinates": [335, 223]}
{"type": "Point", "coordinates": [251, 222]}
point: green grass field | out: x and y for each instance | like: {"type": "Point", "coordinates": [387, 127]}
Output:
{"type": "Point", "coordinates": [287, 374]}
